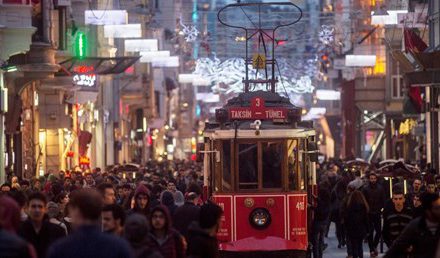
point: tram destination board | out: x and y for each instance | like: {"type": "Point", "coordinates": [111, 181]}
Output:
{"type": "Point", "coordinates": [258, 111]}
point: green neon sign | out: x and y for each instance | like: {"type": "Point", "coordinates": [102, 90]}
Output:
{"type": "Point", "coordinates": [80, 45]}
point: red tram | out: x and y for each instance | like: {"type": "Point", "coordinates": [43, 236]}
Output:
{"type": "Point", "coordinates": [259, 160]}
{"type": "Point", "coordinates": [261, 171]}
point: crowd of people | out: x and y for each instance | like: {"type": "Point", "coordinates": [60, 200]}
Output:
{"type": "Point", "coordinates": [156, 211]}
{"type": "Point", "coordinates": [405, 219]}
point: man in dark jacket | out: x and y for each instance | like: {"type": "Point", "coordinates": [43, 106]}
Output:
{"type": "Point", "coordinates": [375, 196]}
{"type": "Point", "coordinates": [11, 245]}
{"type": "Point", "coordinates": [395, 218]}
{"type": "Point", "coordinates": [322, 216]}
{"type": "Point", "coordinates": [186, 214]}
{"type": "Point", "coordinates": [422, 234]}
{"type": "Point", "coordinates": [88, 240]}
{"type": "Point", "coordinates": [202, 241]}
{"type": "Point", "coordinates": [37, 229]}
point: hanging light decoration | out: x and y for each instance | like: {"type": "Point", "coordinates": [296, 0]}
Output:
{"type": "Point", "coordinates": [326, 34]}
{"type": "Point", "coordinates": [231, 72]}
{"type": "Point", "coordinates": [189, 32]}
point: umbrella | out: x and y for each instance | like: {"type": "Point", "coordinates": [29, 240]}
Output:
{"type": "Point", "coordinates": [399, 169]}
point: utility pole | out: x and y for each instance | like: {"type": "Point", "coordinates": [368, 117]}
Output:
{"type": "Point", "coordinates": [3, 110]}
{"type": "Point", "coordinates": [433, 106]}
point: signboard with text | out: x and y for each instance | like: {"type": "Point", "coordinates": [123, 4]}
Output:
{"type": "Point", "coordinates": [257, 111]}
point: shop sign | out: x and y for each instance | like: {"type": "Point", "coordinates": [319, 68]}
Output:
{"type": "Point", "coordinates": [406, 126]}
{"type": "Point", "coordinates": [84, 76]}
{"type": "Point", "coordinates": [257, 111]}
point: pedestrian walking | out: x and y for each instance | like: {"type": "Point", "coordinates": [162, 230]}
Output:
{"type": "Point", "coordinates": [356, 222]}
{"type": "Point", "coordinates": [141, 201]}
{"type": "Point", "coordinates": [88, 241]}
{"type": "Point", "coordinates": [202, 241]}
{"type": "Point", "coordinates": [375, 196]}
{"type": "Point", "coordinates": [167, 199]}
{"type": "Point", "coordinates": [113, 218]}
{"type": "Point", "coordinates": [107, 192]}
{"type": "Point", "coordinates": [422, 234]}
{"type": "Point", "coordinates": [395, 218]}
{"type": "Point", "coordinates": [37, 229]}
{"type": "Point", "coordinates": [163, 238]}
{"type": "Point", "coordinates": [187, 214]}
{"type": "Point", "coordinates": [11, 245]}
{"type": "Point", "coordinates": [136, 230]}
{"type": "Point", "coordinates": [321, 219]}
{"type": "Point", "coordinates": [337, 196]}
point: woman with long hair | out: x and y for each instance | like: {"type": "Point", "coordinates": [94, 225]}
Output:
{"type": "Point", "coordinates": [356, 222]}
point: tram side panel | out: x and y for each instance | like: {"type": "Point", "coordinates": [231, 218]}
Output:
{"type": "Point", "coordinates": [286, 231]}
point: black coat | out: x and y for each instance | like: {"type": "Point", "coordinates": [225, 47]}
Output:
{"type": "Point", "coordinates": [200, 244]}
{"type": "Point", "coordinates": [375, 196]}
{"type": "Point", "coordinates": [12, 246]}
{"type": "Point", "coordinates": [184, 216]}
{"type": "Point", "coordinates": [41, 241]}
{"type": "Point", "coordinates": [417, 235]}
{"type": "Point", "coordinates": [356, 220]}
{"type": "Point", "coordinates": [90, 242]}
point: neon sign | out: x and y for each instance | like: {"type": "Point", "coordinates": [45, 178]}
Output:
{"type": "Point", "coordinates": [84, 76]}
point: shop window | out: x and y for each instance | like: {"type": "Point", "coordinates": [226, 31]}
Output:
{"type": "Point", "coordinates": [272, 164]}
{"type": "Point", "coordinates": [248, 166]}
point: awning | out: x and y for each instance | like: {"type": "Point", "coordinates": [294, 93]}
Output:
{"type": "Point", "coordinates": [100, 65]}
{"type": "Point", "coordinates": [423, 78]}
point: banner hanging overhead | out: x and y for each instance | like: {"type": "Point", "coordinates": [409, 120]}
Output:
{"type": "Point", "coordinates": [141, 45]}
{"type": "Point", "coordinates": [105, 17]}
{"type": "Point", "coordinates": [123, 31]}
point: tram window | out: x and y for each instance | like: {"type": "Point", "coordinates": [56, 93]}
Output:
{"type": "Point", "coordinates": [293, 164]}
{"type": "Point", "coordinates": [248, 166]}
{"type": "Point", "coordinates": [226, 180]}
{"type": "Point", "coordinates": [272, 164]}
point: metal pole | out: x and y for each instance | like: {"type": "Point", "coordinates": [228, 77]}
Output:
{"type": "Point", "coordinates": [2, 134]}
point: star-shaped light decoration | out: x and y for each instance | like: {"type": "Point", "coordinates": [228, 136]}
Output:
{"type": "Point", "coordinates": [326, 34]}
{"type": "Point", "coordinates": [189, 32]}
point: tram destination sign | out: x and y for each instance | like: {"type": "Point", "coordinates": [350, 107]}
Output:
{"type": "Point", "coordinates": [257, 111]}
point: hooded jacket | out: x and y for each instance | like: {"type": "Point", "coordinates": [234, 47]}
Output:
{"type": "Point", "coordinates": [141, 189]}
{"type": "Point", "coordinates": [172, 246]}
{"type": "Point", "coordinates": [136, 230]}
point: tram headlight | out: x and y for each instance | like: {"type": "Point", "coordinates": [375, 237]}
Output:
{"type": "Point", "coordinates": [260, 218]}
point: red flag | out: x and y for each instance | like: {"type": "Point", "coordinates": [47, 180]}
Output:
{"type": "Point", "coordinates": [413, 43]}
{"type": "Point", "coordinates": [416, 98]}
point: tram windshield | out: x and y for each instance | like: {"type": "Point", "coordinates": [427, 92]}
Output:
{"type": "Point", "coordinates": [261, 165]}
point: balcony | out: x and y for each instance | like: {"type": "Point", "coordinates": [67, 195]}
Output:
{"type": "Point", "coordinates": [15, 27]}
